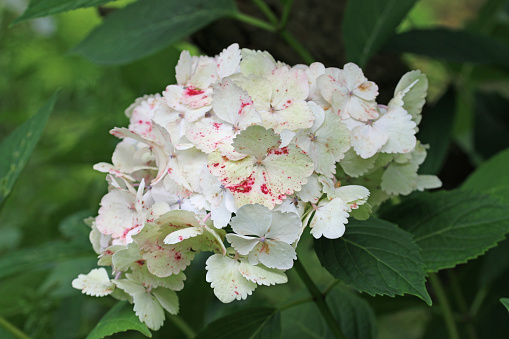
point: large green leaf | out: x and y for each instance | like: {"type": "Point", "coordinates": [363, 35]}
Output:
{"type": "Point", "coordinates": [367, 24]}
{"type": "Point", "coordinates": [40, 8]}
{"type": "Point", "coordinates": [16, 149]}
{"type": "Point", "coordinates": [353, 313]}
{"type": "Point", "coordinates": [435, 130]}
{"type": "Point", "coordinates": [120, 318]}
{"type": "Point", "coordinates": [452, 227]}
{"type": "Point", "coordinates": [491, 177]}
{"type": "Point", "coordinates": [491, 126]}
{"type": "Point", "coordinates": [147, 26]}
{"type": "Point", "coordinates": [450, 45]}
{"type": "Point", "coordinates": [259, 322]}
{"type": "Point", "coordinates": [505, 302]}
{"type": "Point", "coordinates": [375, 256]}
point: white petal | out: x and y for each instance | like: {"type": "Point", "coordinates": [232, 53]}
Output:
{"type": "Point", "coordinates": [228, 61]}
{"type": "Point", "coordinates": [262, 275]}
{"type": "Point", "coordinates": [273, 254]}
{"type": "Point", "coordinates": [368, 140]}
{"type": "Point", "coordinates": [329, 220]}
{"type": "Point", "coordinates": [284, 227]}
{"type": "Point", "coordinates": [398, 124]}
{"type": "Point", "coordinates": [252, 220]}
{"type": "Point", "coordinates": [96, 283]}
{"type": "Point", "coordinates": [226, 280]}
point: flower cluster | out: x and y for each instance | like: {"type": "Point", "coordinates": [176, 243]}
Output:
{"type": "Point", "coordinates": [245, 141]}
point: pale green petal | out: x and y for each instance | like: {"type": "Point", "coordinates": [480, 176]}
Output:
{"type": "Point", "coordinates": [312, 190]}
{"type": "Point", "coordinates": [285, 227]}
{"type": "Point", "coordinates": [411, 93]}
{"type": "Point", "coordinates": [355, 166]}
{"type": "Point", "coordinates": [122, 259]}
{"type": "Point", "coordinates": [255, 141]}
{"type": "Point", "coordinates": [428, 182]}
{"type": "Point", "coordinates": [226, 280]}
{"type": "Point", "coordinates": [273, 254]}
{"type": "Point", "coordinates": [262, 275]}
{"type": "Point", "coordinates": [107, 254]}
{"type": "Point", "coordinates": [242, 243]}
{"type": "Point", "coordinates": [400, 128]}
{"type": "Point", "coordinates": [252, 220]}
{"type": "Point", "coordinates": [168, 299]}
{"type": "Point", "coordinates": [400, 179]}
{"type": "Point", "coordinates": [141, 275]}
{"type": "Point", "coordinates": [256, 62]}
{"type": "Point", "coordinates": [148, 310]}
{"type": "Point", "coordinates": [183, 234]}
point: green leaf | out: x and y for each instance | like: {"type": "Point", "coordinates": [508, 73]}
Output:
{"type": "Point", "coordinates": [147, 26]}
{"type": "Point", "coordinates": [452, 227]}
{"type": "Point", "coordinates": [258, 322]}
{"type": "Point", "coordinates": [354, 314]}
{"type": "Point", "coordinates": [435, 130]}
{"type": "Point", "coordinates": [120, 318]}
{"type": "Point", "coordinates": [376, 257]}
{"type": "Point", "coordinates": [485, 17]}
{"type": "Point", "coordinates": [491, 177]}
{"type": "Point", "coordinates": [16, 149]}
{"type": "Point", "coordinates": [446, 44]}
{"type": "Point", "coordinates": [505, 302]}
{"type": "Point", "coordinates": [367, 24]}
{"type": "Point", "coordinates": [40, 8]}
{"type": "Point", "coordinates": [491, 125]}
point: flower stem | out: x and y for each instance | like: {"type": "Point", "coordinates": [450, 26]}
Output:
{"type": "Point", "coordinates": [444, 304]}
{"type": "Point", "coordinates": [286, 14]}
{"type": "Point", "coordinates": [297, 46]}
{"type": "Point", "coordinates": [16, 332]}
{"type": "Point", "coordinates": [319, 300]}
{"type": "Point", "coordinates": [267, 11]}
{"type": "Point", "coordinates": [296, 303]}
{"type": "Point", "coordinates": [253, 21]}
{"type": "Point", "coordinates": [183, 326]}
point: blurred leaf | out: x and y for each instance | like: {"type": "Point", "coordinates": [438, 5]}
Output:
{"type": "Point", "coordinates": [491, 128]}
{"type": "Point", "coordinates": [42, 256]}
{"type": "Point", "coordinates": [376, 257]}
{"type": "Point", "coordinates": [494, 263]}
{"type": "Point", "coordinates": [40, 8]}
{"type": "Point", "coordinates": [256, 322]}
{"type": "Point", "coordinates": [354, 314]}
{"type": "Point", "coordinates": [435, 130]}
{"type": "Point", "coordinates": [505, 302]}
{"type": "Point", "coordinates": [451, 227]}
{"type": "Point", "coordinates": [367, 24]}
{"type": "Point", "coordinates": [146, 26]}
{"type": "Point", "coordinates": [74, 227]}
{"type": "Point", "coordinates": [450, 45]}
{"type": "Point", "coordinates": [120, 318]}
{"type": "Point", "coordinates": [491, 177]}
{"type": "Point", "coordinates": [16, 149]}
{"type": "Point", "coordinates": [17, 293]}
{"type": "Point", "coordinates": [485, 17]}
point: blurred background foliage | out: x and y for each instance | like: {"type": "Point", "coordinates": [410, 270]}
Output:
{"type": "Point", "coordinates": [44, 243]}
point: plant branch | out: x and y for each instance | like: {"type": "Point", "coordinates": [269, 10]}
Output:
{"type": "Point", "coordinates": [248, 19]}
{"type": "Point", "coordinates": [286, 14]}
{"type": "Point", "coordinates": [297, 46]}
{"type": "Point", "coordinates": [295, 303]}
{"type": "Point", "coordinates": [444, 304]}
{"type": "Point", "coordinates": [462, 304]}
{"type": "Point", "coordinates": [330, 287]}
{"type": "Point", "coordinates": [266, 11]}
{"type": "Point", "coordinates": [183, 326]}
{"type": "Point", "coordinates": [319, 300]}
{"type": "Point", "coordinates": [16, 332]}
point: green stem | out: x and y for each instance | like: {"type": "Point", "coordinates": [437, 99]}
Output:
{"type": "Point", "coordinates": [183, 326]}
{"type": "Point", "coordinates": [330, 287]}
{"type": "Point", "coordinates": [319, 300]}
{"type": "Point", "coordinates": [16, 332]}
{"type": "Point", "coordinates": [253, 21]}
{"type": "Point", "coordinates": [295, 303]}
{"type": "Point", "coordinates": [297, 46]}
{"type": "Point", "coordinates": [462, 304]}
{"type": "Point", "coordinates": [478, 300]}
{"type": "Point", "coordinates": [444, 304]}
{"type": "Point", "coordinates": [267, 11]}
{"type": "Point", "coordinates": [285, 15]}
